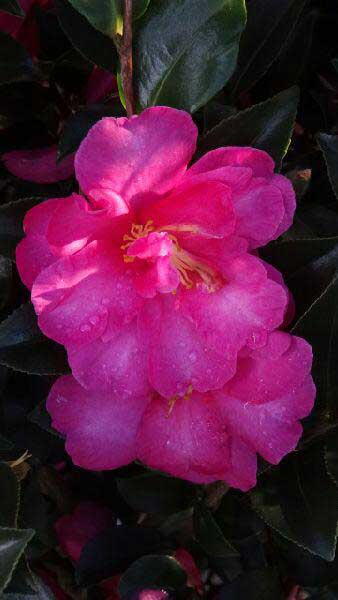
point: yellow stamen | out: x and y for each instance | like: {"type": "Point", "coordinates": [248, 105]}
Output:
{"type": "Point", "coordinates": [172, 401]}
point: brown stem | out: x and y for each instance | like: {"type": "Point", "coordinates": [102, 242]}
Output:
{"type": "Point", "coordinates": [126, 57]}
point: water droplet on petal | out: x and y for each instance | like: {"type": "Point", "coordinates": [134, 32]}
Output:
{"type": "Point", "coordinates": [85, 328]}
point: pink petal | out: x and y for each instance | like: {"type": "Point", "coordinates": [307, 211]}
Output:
{"type": "Point", "coordinates": [155, 273]}
{"type": "Point", "coordinates": [39, 165]}
{"type": "Point", "coordinates": [146, 154]}
{"type": "Point", "coordinates": [243, 311]}
{"type": "Point", "coordinates": [118, 365]}
{"type": "Point", "coordinates": [276, 276]}
{"type": "Point", "coordinates": [74, 224]}
{"type": "Point", "coordinates": [182, 436]}
{"type": "Point", "coordinates": [259, 161]}
{"type": "Point", "coordinates": [100, 429]}
{"type": "Point", "coordinates": [270, 392]}
{"type": "Point", "coordinates": [205, 206]}
{"type": "Point", "coordinates": [33, 253]}
{"type": "Point", "coordinates": [264, 204]}
{"type": "Point", "coordinates": [178, 354]}
{"type": "Point", "coordinates": [289, 199]}
{"type": "Point", "coordinates": [77, 296]}
{"type": "Point", "coordinates": [76, 529]}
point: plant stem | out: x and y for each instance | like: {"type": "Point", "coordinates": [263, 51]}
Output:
{"type": "Point", "coordinates": [126, 57]}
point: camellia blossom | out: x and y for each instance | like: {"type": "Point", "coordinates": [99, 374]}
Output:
{"type": "Point", "coordinates": [149, 281]}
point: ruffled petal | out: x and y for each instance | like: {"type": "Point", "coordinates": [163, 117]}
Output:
{"type": "Point", "coordinates": [118, 365]}
{"type": "Point", "coordinates": [243, 311]}
{"type": "Point", "coordinates": [258, 161]}
{"type": "Point", "coordinates": [198, 207]}
{"type": "Point", "coordinates": [271, 391]}
{"type": "Point", "coordinates": [100, 429]}
{"type": "Point", "coordinates": [33, 253]}
{"type": "Point", "coordinates": [289, 199]}
{"type": "Point", "coordinates": [183, 436]}
{"type": "Point", "coordinates": [39, 165]}
{"type": "Point", "coordinates": [178, 354]}
{"type": "Point", "coordinates": [77, 296]}
{"type": "Point", "coordinates": [146, 154]}
{"type": "Point", "coordinates": [74, 224]}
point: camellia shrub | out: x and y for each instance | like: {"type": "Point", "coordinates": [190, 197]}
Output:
{"type": "Point", "coordinates": [169, 289]}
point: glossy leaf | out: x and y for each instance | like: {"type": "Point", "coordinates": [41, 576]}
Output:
{"type": "Point", "coordinates": [12, 545]}
{"type": "Point", "coordinates": [111, 552]}
{"type": "Point", "coordinates": [153, 493]}
{"type": "Point", "coordinates": [186, 51]}
{"type": "Point", "coordinates": [91, 43]}
{"type": "Point", "coordinates": [319, 326]}
{"type": "Point", "coordinates": [253, 585]}
{"type": "Point", "coordinates": [12, 7]}
{"type": "Point", "coordinates": [267, 126]}
{"type": "Point", "coordinates": [269, 29]}
{"type": "Point", "coordinates": [311, 514]}
{"type": "Point", "coordinates": [107, 15]}
{"type": "Point", "coordinates": [9, 497]}
{"type": "Point", "coordinates": [329, 146]}
{"type": "Point", "coordinates": [24, 348]}
{"type": "Point", "coordinates": [11, 218]}
{"type": "Point", "coordinates": [152, 572]}
{"type": "Point", "coordinates": [15, 62]}
{"type": "Point", "coordinates": [292, 501]}
{"type": "Point", "coordinates": [331, 456]}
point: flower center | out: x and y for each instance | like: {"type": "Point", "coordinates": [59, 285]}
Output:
{"type": "Point", "coordinates": [186, 264]}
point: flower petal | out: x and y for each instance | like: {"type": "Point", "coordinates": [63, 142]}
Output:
{"type": "Point", "coordinates": [39, 165]}
{"type": "Point", "coordinates": [74, 224]}
{"type": "Point", "coordinates": [33, 253]}
{"type": "Point", "coordinates": [100, 429]}
{"type": "Point", "coordinates": [146, 154]}
{"type": "Point", "coordinates": [77, 296]}
{"type": "Point", "coordinates": [183, 436]}
{"type": "Point", "coordinates": [259, 161]}
{"type": "Point", "coordinates": [205, 206]}
{"type": "Point", "coordinates": [271, 391]}
{"type": "Point", "coordinates": [118, 365]}
{"type": "Point", "coordinates": [178, 354]}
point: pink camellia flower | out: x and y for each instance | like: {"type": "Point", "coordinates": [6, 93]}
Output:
{"type": "Point", "coordinates": [199, 437]}
{"type": "Point", "coordinates": [76, 529]}
{"type": "Point", "coordinates": [149, 282]}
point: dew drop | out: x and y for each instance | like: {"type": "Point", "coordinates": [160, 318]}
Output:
{"type": "Point", "coordinates": [94, 320]}
{"type": "Point", "coordinates": [85, 328]}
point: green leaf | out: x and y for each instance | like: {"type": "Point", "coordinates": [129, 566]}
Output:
{"type": "Point", "coordinates": [311, 514]}
{"type": "Point", "coordinates": [24, 348]}
{"type": "Point", "coordinates": [12, 7]}
{"type": "Point", "coordinates": [107, 15]}
{"type": "Point", "coordinates": [319, 326]}
{"type": "Point", "coordinates": [331, 456]}
{"type": "Point", "coordinates": [153, 572]}
{"type": "Point", "coordinates": [9, 497]}
{"type": "Point", "coordinates": [77, 127]}
{"type": "Point", "coordinates": [5, 280]}
{"type": "Point", "coordinates": [153, 493]}
{"type": "Point", "coordinates": [254, 585]}
{"type": "Point", "coordinates": [267, 126]}
{"type": "Point", "coordinates": [269, 30]}
{"type": "Point", "coordinates": [210, 537]}
{"type": "Point", "coordinates": [91, 43]}
{"type": "Point", "coordinates": [291, 255]}
{"type": "Point", "coordinates": [185, 52]}
{"type": "Point", "coordinates": [12, 545]}
{"type": "Point", "coordinates": [293, 502]}
{"type": "Point", "coordinates": [15, 62]}
{"type": "Point", "coordinates": [11, 218]}
{"type": "Point", "coordinates": [329, 147]}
